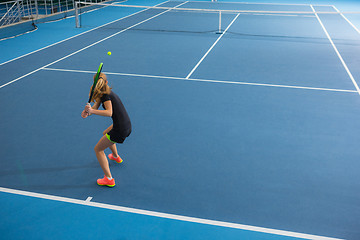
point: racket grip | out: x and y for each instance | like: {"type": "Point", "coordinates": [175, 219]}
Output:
{"type": "Point", "coordinates": [88, 104]}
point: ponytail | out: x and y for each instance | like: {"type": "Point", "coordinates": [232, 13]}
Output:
{"type": "Point", "coordinates": [101, 88]}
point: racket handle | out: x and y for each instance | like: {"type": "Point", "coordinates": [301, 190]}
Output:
{"type": "Point", "coordinates": [88, 104]}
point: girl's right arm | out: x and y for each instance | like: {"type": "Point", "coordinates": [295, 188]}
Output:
{"type": "Point", "coordinates": [85, 114]}
{"type": "Point", "coordinates": [95, 106]}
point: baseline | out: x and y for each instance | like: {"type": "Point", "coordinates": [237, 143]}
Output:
{"type": "Point", "coordinates": [165, 215]}
{"type": "Point", "coordinates": [280, 4]}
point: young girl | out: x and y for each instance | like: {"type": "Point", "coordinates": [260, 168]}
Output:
{"type": "Point", "coordinates": [116, 133]}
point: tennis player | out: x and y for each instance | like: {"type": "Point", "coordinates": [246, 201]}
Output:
{"type": "Point", "coordinates": [116, 133]}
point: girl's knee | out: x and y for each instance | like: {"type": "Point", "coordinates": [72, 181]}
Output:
{"type": "Point", "coordinates": [101, 145]}
{"type": "Point", "coordinates": [97, 149]}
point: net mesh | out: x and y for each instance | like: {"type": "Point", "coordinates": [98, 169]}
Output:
{"type": "Point", "coordinates": [213, 17]}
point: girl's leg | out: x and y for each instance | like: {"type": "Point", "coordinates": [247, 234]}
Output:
{"type": "Point", "coordinates": [114, 150]}
{"type": "Point", "coordinates": [108, 129]}
{"type": "Point", "coordinates": [112, 147]}
{"type": "Point", "coordinates": [99, 151]}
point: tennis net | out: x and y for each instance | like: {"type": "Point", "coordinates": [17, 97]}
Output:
{"type": "Point", "coordinates": [184, 17]}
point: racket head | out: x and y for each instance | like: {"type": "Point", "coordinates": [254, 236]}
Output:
{"type": "Point", "coordinates": [95, 81]}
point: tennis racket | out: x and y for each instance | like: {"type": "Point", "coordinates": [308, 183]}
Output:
{"type": "Point", "coordinates": [95, 82]}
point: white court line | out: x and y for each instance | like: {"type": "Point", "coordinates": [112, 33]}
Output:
{"type": "Point", "coordinates": [280, 4]}
{"type": "Point", "coordinates": [68, 17]}
{"type": "Point", "coordinates": [217, 40]}
{"type": "Point", "coordinates": [278, 15]}
{"type": "Point", "coordinates": [8, 83]}
{"type": "Point", "coordinates": [346, 19]}
{"type": "Point", "coordinates": [77, 35]}
{"type": "Point", "coordinates": [17, 79]}
{"type": "Point", "coordinates": [337, 52]}
{"type": "Point", "coordinates": [88, 199]}
{"type": "Point", "coordinates": [113, 3]}
{"type": "Point", "coordinates": [206, 80]}
{"type": "Point", "coordinates": [166, 215]}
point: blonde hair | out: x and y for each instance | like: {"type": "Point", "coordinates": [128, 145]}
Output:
{"type": "Point", "coordinates": [101, 88]}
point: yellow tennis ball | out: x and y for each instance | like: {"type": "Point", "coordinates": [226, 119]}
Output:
{"type": "Point", "coordinates": [109, 53]}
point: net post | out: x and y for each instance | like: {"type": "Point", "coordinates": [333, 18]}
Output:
{"type": "Point", "coordinates": [51, 7]}
{"type": "Point", "coordinates": [37, 9]}
{"type": "Point", "coordinates": [219, 31]}
{"type": "Point", "coordinates": [77, 23]}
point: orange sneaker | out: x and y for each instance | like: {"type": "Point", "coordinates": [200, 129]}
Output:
{"type": "Point", "coordinates": [118, 159]}
{"type": "Point", "coordinates": [106, 182]}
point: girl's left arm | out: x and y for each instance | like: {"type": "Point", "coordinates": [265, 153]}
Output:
{"type": "Point", "coordinates": [106, 113]}
{"type": "Point", "coordinates": [86, 112]}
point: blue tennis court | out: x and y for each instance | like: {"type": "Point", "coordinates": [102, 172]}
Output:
{"type": "Point", "coordinates": [247, 134]}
